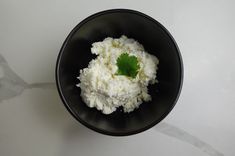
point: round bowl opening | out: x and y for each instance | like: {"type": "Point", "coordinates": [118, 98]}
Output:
{"type": "Point", "coordinates": [75, 55]}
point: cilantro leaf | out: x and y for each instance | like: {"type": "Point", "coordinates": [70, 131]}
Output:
{"type": "Point", "coordinates": [127, 65]}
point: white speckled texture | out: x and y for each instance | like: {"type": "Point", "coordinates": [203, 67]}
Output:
{"type": "Point", "coordinates": [34, 122]}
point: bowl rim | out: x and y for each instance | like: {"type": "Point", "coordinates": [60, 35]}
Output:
{"type": "Point", "coordinates": [57, 69]}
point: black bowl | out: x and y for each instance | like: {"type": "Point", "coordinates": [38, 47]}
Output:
{"type": "Point", "coordinates": [75, 54]}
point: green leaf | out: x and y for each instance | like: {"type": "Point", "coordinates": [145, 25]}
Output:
{"type": "Point", "coordinates": [127, 65]}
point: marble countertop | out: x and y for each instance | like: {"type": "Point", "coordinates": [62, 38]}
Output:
{"type": "Point", "coordinates": [34, 121]}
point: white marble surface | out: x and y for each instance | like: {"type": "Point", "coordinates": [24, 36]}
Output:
{"type": "Point", "coordinates": [33, 121]}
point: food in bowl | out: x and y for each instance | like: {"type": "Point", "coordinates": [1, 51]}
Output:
{"type": "Point", "coordinates": [118, 76]}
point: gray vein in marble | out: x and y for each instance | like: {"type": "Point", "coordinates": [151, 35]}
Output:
{"type": "Point", "coordinates": [12, 85]}
{"type": "Point", "coordinates": [46, 85]}
{"type": "Point", "coordinates": [184, 136]}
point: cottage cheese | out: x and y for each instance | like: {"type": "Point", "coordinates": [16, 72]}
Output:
{"type": "Point", "coordinates": [103, 89]}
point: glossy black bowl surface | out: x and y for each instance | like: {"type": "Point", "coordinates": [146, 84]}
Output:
{"type": "Point", "coordinates": [75, 55]}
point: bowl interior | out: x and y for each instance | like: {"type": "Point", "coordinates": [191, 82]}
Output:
{"type": "Point", "coordinates": [75, 55]}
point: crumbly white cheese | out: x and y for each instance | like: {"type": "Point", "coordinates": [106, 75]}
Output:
{"type": "Point", "coordinates": [102, 88]}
